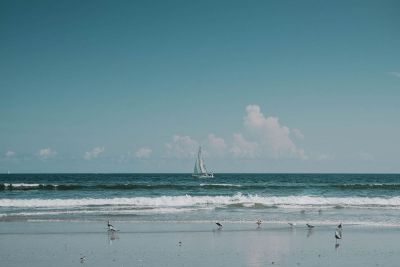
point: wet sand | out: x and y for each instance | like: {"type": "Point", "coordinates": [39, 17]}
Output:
{"type": "Point", "coordinates": [157, 244]}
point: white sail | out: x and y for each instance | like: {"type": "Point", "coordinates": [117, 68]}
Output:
{"type": "Point", "coordinates": [200, 168]}
{"type": "Point", "coordinates": [196, 170]}
{"type": "Point", "coordinates": [203, 167]}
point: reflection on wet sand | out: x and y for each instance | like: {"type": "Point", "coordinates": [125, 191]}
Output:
{"type": "Point", "coordinates": [112, 236]}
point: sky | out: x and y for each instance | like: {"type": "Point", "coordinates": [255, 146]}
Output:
{"type": "Point", "coordinates": [262, 86]}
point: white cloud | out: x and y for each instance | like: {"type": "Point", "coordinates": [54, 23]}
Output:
{"type": "Point", "coordinates": [394, 73]}
{"type": "Point", "coordinates": [365, 156]}
{"type": "Point", "coordinates": [242, 148]}
{"type": "Point", "coordinates": [46, 153]}
{"type": "Point", "coordinates": [143, 153]}
{"type": "Point", "coordinates": [10, 154]}
{"type": "Point", "coordinates": [273, 138]}
{"type": "Point", "coordinates": [181, 147]}
{"type": "Point", "coordinates": [263, 137]}
{"type": "Point", "coordinates": [324, 157]}
{"type": "Point", "coordinates": [216, 144]}
{"type": "Point", "coordinates": [297, 133]}
{"type": "Point", "coordinates": [94, 153]}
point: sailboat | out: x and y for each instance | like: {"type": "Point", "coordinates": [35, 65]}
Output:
{"type": "Point", "coordinates": [200, 170]}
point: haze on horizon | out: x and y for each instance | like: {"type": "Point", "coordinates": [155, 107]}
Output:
{"type": "Point", "coordinates": [262, 86]}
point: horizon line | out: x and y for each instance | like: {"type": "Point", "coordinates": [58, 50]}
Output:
{"type": "Point", "coordinates": [189, 173]}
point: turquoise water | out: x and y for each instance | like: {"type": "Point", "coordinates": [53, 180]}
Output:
{"type": "Point", "coordinates": [371, 199]}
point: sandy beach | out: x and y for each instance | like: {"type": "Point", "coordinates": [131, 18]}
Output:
{"type": "Point", "coordinates": [157, 244]}
{"type": "Point", "coordinates": [166, 118]}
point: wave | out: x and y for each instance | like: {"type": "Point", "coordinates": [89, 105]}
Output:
{"type": "Point", "coordinates": [210, 201]}
{"type": "Point", "coordinates": [25, 186]}
{"type": "Point", "coordinates": [165, 186]}
{"type": "Point", "coordinates": [99, 212]}
{"type": "Point", "coordinates": [367, 186]}
{"type": "Point", "coordinates": [202, 186]}
{"type": "Point", "coordinates": [34, 186]}
{"type": "Point", "coordinates": [221, 185]}
{"type": "Point", "coordinates": [21, 185]}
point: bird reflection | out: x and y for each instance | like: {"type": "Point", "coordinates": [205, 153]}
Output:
{"type": "Point", "coordinates": [310, 232]}
{"type": "Point", "coordinates": [112, 236]}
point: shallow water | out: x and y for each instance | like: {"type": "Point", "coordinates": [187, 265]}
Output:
{"type": "Point", "coordinates": [157, 244]}
{"type": "Point", "coordinates": [370, 199]}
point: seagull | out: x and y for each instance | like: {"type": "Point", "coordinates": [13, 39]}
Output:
{"type": "Point", "coordinates": [180, 243]}
{"type": "Point", "coordinates": [259, 222]}
{"type": "Point", "coordinates": [340, 226]}
{"type": "Point", "coordinates": [337, 236]}
{"type": "Point", "coordinates": [83, 259]}
{"type": "Point", "coordinates": [292, 224]}
{"type": "Point", "coordinates": [111, 227]}
{"type": "Point", "coordinates": [219, 225]}
{"type": "Point", "coordinates": [309, 226]}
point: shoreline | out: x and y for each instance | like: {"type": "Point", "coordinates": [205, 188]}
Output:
{"type": "Point", "coordinates": [65, 226]}
{"type": "Point", "coordinates": [299, 224]}
{"type": "Point", "coordinates": [157, 244]}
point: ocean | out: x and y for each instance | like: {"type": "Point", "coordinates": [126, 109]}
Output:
{"type": "Point", "coordinates": [325, 199]}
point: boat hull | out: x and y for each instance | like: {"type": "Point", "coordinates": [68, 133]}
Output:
{"type": "Point", "coordinates": [207, 175]}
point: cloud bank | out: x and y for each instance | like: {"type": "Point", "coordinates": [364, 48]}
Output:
{"type": "Point", "coordinates": [46, 153]}
{"type": "Point", "coordinates": [262, 137]}
{"type": "Point", "coordinates": [143, 153]}
{"type": "Point", "coordinates": [10, 154]}
{"type": "Point", "coordinates": [94, 153]}
{"type": "Point", "coordinates": [268, 136]}
{"type": "Point", "coordinates": [242, 148]}
{"type": "Point", "coordinates": [216, 145]}
{"type": "Point", "coordinates": [181, 147]}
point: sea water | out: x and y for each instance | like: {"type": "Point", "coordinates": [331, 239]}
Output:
{"type": "Point", "coordinates": [360, 199]}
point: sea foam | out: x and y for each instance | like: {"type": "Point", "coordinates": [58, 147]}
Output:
{"type": "Point", "coordinates": [217, 201]}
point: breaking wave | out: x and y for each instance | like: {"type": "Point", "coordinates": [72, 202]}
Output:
{"type": "Point", "coordinates": [214, 201]}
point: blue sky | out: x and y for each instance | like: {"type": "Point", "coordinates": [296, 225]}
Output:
{"type": "Point", "coordinates": [136, 86]}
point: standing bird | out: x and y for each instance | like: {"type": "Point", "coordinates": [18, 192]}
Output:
{"type": "Point", "coordinates": [339, 230]}
{"type": "Point", "coordinates": [337, 236]}
{"type": "Point", "coordinates": [219, 225]}
{"type": "Point", "coordinates": [82, 259]}
{"type": "Point", "coordinates": [111, 227]}
{"type": "Point", "coordinates": [259, 222]}
{"type": "Point", "coordinates": [309, 226]}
